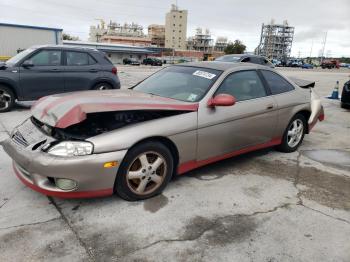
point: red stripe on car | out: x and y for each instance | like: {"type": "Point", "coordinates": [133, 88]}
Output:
{"type": "Point", "coordinates": [193, 164]}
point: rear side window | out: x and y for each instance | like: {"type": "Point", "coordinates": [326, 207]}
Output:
{"type": "Point", "coordinates": [243, 85]}
{"type": "Point", "coordinates": [79, 59]}
{"type": "Point", "coordinates": [276, 83]}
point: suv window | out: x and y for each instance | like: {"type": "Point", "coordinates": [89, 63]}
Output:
{"type": "Point", "coordinates": [276, 83]}
{"type": "Point", "coordinates": [47, 58]}
{"type": "Point", "coordinates": [79, 59]}
{"type": "Point", "coordinates": [243, 85]}
{"type": "Point", "coordinates": [247, 59]}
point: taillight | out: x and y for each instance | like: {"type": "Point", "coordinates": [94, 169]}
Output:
{"type": "Point", "coordinates": [114, 70]}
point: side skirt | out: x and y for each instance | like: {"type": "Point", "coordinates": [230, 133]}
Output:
{"type": "Point", "coordinates": [193, 164]}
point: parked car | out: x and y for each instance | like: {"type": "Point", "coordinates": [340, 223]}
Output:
{"type": "Point", "coordinates": [255, 59]}
{"type": "Point", "coordinates": [294, 63]}
{"type": "Point", "coordinates": [152, 61]}
{"type": "Point", "coordinates": [345, 96]}
{"type": "Point", "coordinates": [330, 64]}
{"type": "Point", "coordinates": [131, 61]}
{"type": "Point", "coordinates": [46, 70]}
{"type": "Point", "coordinates": [131, 142]}
{"type": "Point", "coordinates": [307, 66]}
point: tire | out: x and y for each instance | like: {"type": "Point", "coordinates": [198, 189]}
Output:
{"type": "Point", "coordinates": [102, 86]}
{"type": "Point", "coordinates": [7, 99]}
{"type": "Point", "coordinates": [287, 144]}
{"type": "Point", "coordinates": [137, 181]}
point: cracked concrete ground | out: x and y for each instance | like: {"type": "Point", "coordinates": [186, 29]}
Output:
{"type": "Point", "coordinates": [262, 206]}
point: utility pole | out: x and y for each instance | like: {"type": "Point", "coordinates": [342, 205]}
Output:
{"type": "Point", "coordinates": [312, 44]}
{"type": "Point", "coordinates": [324, 46]}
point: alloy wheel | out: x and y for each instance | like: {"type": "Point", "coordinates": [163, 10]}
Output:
{"type": "Point", "coordinates": [295, 132]}
{"type": "Point", "coordinates": [146, 173]}
{"type": "Point", "coordinates": [5, 99]}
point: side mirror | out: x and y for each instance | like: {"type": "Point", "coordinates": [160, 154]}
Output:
{"type": "Point", "coordinates": [222, 100]}
{"type": "Point", "coordinates": [27, 63]}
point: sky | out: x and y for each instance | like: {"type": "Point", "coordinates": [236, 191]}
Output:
{"type": "Point", "coordinates": [231, 18]}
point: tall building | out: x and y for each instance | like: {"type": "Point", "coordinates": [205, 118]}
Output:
{"type": "Point", "coordinates": [176, 28]}
{"type": "Point", "coordinates": [275, 40]}
{"type": "Point", "coordinates": [157, 35]}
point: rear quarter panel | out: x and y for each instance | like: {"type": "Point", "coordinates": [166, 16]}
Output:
{"type": "Point", "coordinates": [289, 104]}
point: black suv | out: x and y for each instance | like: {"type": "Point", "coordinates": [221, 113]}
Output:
{"type": "Point", "coordinates": [46, 70]}
{"type": "Point", "coordinates": [152, 61]}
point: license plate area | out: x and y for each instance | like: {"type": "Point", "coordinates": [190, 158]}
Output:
{"type": "Point", "coordinates": [27, 134]}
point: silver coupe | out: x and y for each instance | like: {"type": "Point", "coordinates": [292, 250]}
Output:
{"type": "Point", "coordinates": [131, 142]}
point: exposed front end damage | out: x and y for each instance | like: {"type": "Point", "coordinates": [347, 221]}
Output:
{"type": "Point", "coordinates": [99, 123]}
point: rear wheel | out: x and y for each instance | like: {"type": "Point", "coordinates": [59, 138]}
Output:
{"type": "Point", "coordinates": [7, 99]}
{"type": "Point", "coordinates": [145, 171]}
{"type": "Point", "coordinates": [102, 86]}
{"type": "Point", "coordinates": [293, 135]}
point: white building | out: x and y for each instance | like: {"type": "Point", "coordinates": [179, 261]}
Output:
{"type": "Point", "coordinates": [15, 38]}
{"type": "Point", "coordinates": [116, 52]}
{"type": "Point", "coordinates": [176, 28]}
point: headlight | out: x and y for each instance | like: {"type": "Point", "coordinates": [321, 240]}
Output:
{"type": "Point", "coordinates": [71, 148]}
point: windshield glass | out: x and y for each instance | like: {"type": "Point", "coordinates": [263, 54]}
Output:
{"type": "Point", "coordinates": [228, 58]}
{"type": "Point", "coordinates": [183, 83]}
{"type": "Point", "coordinates": [14, 60]}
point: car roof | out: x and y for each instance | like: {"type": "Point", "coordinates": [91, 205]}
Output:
{"type": "Point", "coordinates": [243, 55]}
{"type": "Point", "coordinates": [66, 47]}
{"type": "Point", "coordinates": [224, 66]}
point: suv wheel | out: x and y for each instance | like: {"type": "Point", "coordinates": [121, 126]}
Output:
{"type": "Point", "coordinates": [102, 86]}
{"type": "Point", "coordinates": [293, 135]}
{"type": "Point", "coordinates": [7, 99]}
{"type": "Point", "coordinates": [145, 171]}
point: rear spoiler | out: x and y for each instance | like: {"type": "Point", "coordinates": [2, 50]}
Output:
{"type": "Point", "coordinates": [302, 83]}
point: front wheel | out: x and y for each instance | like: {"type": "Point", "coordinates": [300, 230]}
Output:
{"type": "Point", "coordinates": [7, 99]}
{"type": "Point", "coordinates": [145, 171]}
{"type": "Point", "coordinates": [293, 135]}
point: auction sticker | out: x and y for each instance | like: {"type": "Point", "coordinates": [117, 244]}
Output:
{"type": "Point", "coordinates": [204, 74]}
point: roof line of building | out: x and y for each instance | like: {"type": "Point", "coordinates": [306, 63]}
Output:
{"type": "Point", "coordinates": [31, 26]}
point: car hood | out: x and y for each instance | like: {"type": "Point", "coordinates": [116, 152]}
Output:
{"type": "Point", "coordinates": [67, 109]}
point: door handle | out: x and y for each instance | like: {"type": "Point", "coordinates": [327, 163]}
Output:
{"type": "Point", "coordinates": [55, 70]}
{"type": "Point", "coordinates": [270, 106]}
{"type": "Point", "coordinates": [93, 70]}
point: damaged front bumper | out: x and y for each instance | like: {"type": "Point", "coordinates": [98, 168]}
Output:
{"type": "Point", "coordinates": [42, 171]}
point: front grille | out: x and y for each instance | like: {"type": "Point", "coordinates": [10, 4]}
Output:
{"type": "Point", "coordinates": [19, 139]}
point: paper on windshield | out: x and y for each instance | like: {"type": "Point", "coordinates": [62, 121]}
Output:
{"type": "Point", "coordinates": [204, 74]}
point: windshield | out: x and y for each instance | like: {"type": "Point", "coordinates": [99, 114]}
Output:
{"type": "Point", "coordinates": [229, 58]}
{"type": "Point", "coordinates": [14, 60]}
{"type": "Point", "coordinates": [183, 83]}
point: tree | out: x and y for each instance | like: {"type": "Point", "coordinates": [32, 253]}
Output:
{"type": "Point", "coordinates": [66, 36]}
{"type": "Point", "coordinates": [235, 48]}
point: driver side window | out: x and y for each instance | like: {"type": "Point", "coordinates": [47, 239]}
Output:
{"type": "Point", "coordinates": [243, 85]}
{"type": "Point", "coordinates": [47, 58]}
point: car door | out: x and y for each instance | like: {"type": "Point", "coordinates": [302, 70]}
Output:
{"type": "Point", "coordinates": [80, 70]}
{"type": "Point", "coordinates": [281, 91]}
{"type": "Point", "coordinates": [41, 74]}
{"type": "Point", "coordinates": [250, 121]}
